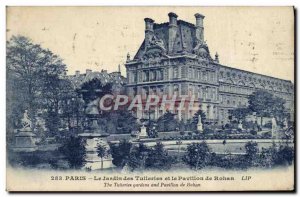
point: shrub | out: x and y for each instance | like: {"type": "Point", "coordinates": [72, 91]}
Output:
{"type": "Point", "coordinates": [197, 155]}
{"type": "Point", "coordinates": [285, 155]}
{"type": "Point", "coordinates": [253, 132]}
{"type": "Point", "coordinates": [120, 153]}
{"type": "Point", "coordinates": [208, 130]}
{"type": "Point", "coordinates": [74, 152]}
{"type": "Point", "coordinates": [267, 135]}
{"type": "Point", "coordinates": [251, 152]}
{"type": "Point", "coordinates": [158, 158]}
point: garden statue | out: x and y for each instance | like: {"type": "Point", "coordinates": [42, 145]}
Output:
{"type": "Point", "coordinates": [25, 138]}
{"type": "Point", "coordinates": [26, 122]}
{"type": "Point", "coordinates": [285, 124]}
{"type": "Point", "coordinates": [143, 133]}
{"type": "Point", "coordinates": [199, 124]}
{"type": "Point", "coordinates": [240, 125]}
{"type": "Point", "coordinates": [274, 126]}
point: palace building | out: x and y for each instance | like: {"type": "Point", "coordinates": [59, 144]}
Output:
{"type": "Point", "coordinates": [174, 59]}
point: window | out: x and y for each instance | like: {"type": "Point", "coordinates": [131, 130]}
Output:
{"type": "Point", "coordinates": [176, 90]}
{"type": "Point", "coordinates": [146, 75]}
{"type": "Point", "coordinates": [205, 76]}
{"type": "Point", "coordinates": [190, 73]}
{"type": "Point", "coordinates": [190, 93]}
{"type": "Point", "coordinates": [134, 77]}
{"type": "Point", "coordinates": [199, 92]}
{"type": "Point", "coordinates": [159, 75]}
{"type": "Point", "coordinates": [175, 72]}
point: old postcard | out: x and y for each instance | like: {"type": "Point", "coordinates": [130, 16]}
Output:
{"type": "Point", "coordinates": [146, 99]}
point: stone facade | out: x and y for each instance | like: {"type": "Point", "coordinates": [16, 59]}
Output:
{"type": "Point", "coordinates": [175, 59]}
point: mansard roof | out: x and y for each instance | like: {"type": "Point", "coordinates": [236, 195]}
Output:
{"type": "Point", "coordinates": [185, 39]}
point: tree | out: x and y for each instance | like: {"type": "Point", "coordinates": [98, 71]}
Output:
{"type": "Point", "coordinates": [239, 113]}
{"type": "Point", "coordinates": [197, 156]}
{"type": "Point", "coordinates": [158, 158]}
{"type": "Point", "coordinates": [268, 156]}
{"type": "Point", "coordinates": [119, 121]}
{"type": "Point", "coordinates": [251, 152]}
{"type": "Point", "coordinates": [273, 156]}
{"type": "Point", "coordinates": [137, 157]}
{"type": "Point", "coordinates": [74, 152]}
{"type": "Point", "coordinates": [167, 122]}
{"type": "Point", "coordinates": [29, 68]}
{"type": "Point", "coordinates": [266, 104]}
{"type": "Point", "coordinates": [285, 155]}
{"type": "Point", "coordinates": [120, 153]}
{"type": "Point", "coordinates": [102, 152]}
{"type": "Point", "coordinates": [59, 98]}
{"type": "Point", "coordinates": [196, 116]}
{"type": "Point", "coordinates": [72, 109]}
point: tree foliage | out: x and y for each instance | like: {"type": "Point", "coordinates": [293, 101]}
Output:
{"type": "Point", "coordinates": [102, 152]}
{"type": "Point", "coordinates": [194, 120]}
{"type": "Point", "coordinates": [167, 122]}
{"type": "Point", "coordinates": [251, 152]}
{"type": "Point", "coordinates": [121, 121]}
{"type": "Point", "coordinates": [137, 157]}
{"type": "Point", "coordinates": [240, 113]}
{"type": "Point", "coordinates": [120, 153]}
{"type": "Point", "coordinates": [266, 104]}
{"type": "Point", "coordinates": [197, 156]}
{"type": "Point", "coordinates": [34, 78]}
{"type": "Point", "coordinates": [158, 158]}
{"type": "Point", "coordinates": [74, 152]}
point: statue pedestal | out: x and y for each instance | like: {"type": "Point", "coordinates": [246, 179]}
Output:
{"type": "Point", "coordinates": [200, 127]}
{"type": "Point", "coordinates": [25, 142]}
{"type": "Point", "coordinates": [93, 161]}
{"type": "Point", "coordinates": [240, 126]}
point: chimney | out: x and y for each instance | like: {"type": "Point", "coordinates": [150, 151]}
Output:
{"type": "Point", "coordinates": [88, 71]}
{"type": "Point", "coordinates": [148, 30]}
{"type": "Point", "coordinates": [217, 57]}
{"type": "Point", "coordinates": [172, 30]}
{"type": "Point", "coordinates": [128, 57]}
{"type": "Point", "coordinates": [77, 73]}
{"type": "Point", "coordinates": [199, 27]}
{"type": "Point", "coordinates": [172, 19]}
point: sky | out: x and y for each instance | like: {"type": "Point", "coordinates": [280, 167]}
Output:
{"type": "Point", "coordinates": [256, 39]}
